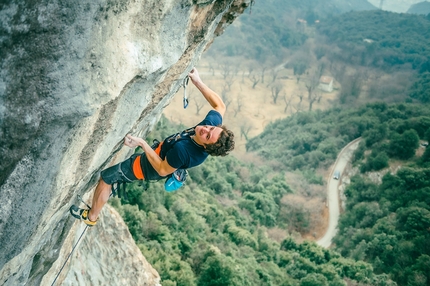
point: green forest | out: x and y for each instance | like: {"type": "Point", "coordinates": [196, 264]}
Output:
{"type": "Point", "coordinates": [269, 27]}
{"type": "Point", "coordinates": [309, 140]}
{"type": "Point", "coordinates": [398, 44]}
{"type": "Point", "coordinates": [368, 38]}
{"type": "Point", "coordinates": [386, 224]}
{"type": "Point", "coordinates": [215, 230]}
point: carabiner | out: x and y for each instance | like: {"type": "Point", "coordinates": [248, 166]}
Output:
{"type": "Point", "coordinates": [184, 84]}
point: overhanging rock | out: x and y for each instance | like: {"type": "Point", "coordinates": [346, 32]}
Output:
{"type": "Point", "coordinates": [76, 76]}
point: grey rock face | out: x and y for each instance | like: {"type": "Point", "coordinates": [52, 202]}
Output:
{"type": "Point", "coordinates": [75, 77]}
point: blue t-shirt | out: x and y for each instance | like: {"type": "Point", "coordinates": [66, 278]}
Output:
{"type": "Point", "coordinates": [185, 152]}
{"type": "Point", "coordinates": [180, 151]}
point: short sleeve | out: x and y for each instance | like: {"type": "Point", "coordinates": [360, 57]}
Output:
{"type": "Point", "coordinates": [213, 118]}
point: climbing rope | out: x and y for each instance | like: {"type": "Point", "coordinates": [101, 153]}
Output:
{"type": "Point", "coordinates": [76, 244]}
{"type": "Point", "coordinates": [70, 254]}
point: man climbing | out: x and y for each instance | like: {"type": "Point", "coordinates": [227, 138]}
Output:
{"type": "Point", "coordinates": [182, 150]}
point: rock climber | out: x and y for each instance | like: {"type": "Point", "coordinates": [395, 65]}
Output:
{"type": "Point", "coordinates": [179, 151]}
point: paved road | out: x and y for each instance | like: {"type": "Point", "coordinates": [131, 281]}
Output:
{"type": "Point", "coordinates": [342, 160]}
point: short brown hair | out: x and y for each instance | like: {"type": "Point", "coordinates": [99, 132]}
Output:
{"type": "Point", "coordinates": [223, 145]}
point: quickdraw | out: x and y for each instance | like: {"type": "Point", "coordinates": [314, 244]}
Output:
{"type": "Point", "coordinates": [184, 84]}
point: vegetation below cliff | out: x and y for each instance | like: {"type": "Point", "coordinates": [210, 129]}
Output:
{"type": "Point", "coordinates": [227, 226]}
{"type": "Point", "coordinates": [237, 223]}
{"type": "Point", "coordinates": [385, 224]}
{"type": "Point", "coordinates": [309, 140]}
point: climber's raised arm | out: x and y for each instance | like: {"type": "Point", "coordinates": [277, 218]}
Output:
{"type": "Point", "coordinates": [211, 96]}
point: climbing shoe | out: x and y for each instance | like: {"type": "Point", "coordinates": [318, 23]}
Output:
{"type": "Point", "coordinates": [81, 214]}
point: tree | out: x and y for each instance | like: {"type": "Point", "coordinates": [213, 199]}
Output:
{"type": "Point", "coordinates": [226, 69]}
{"type": "Point", "coordinates": [404, 146]}
{"type": "Point", "coordinates": [218, 270]}
{"type": "Point", "coordinates": [299, 63]}
{"type": "Point", "coordinates": [414, 220]}
{"type": "Point", "coordinates": [228, 83]}
{"type": "Point", "coordinates": [350, 87]}
{"type": "Point", "coordinates": [211, 67]}
{"type": "Point", "coordinates": [423, 266]}
{"type": "Point", "coordinates": [198, 101]}
{"type": "Point", "coordinates": [420, 90]}
{"type": "Point", "coordinates": [276, 89]}
{"type": "Point", "coordinates": [263, 72]}
{"type": "Point", "coordinates": [199, 106]}
{"type": "Point", "coordinates": [427, 135]}
{"type": "Point", "coordinates": [380, 161]}
{"type": "Point", "coordinates": [425, 158]}
{"type": "Point", "coordinates": [316, 96]}
{"type": "Point", "coordinates": [225, 98]}
{"type": "Point", "coordinates": [255, 79]}
{"type": "Point", "coordinates": [299, 105]}
{"type": "Point", "coordinates": [375, 135]}
{"type": "Point", "coordinates": [310, 87]}
{"type": "Point", "coordinates": [320, 51]}
{"type": "Point", "coordinates": [238, 106]}
{"type": "Point", "coordinates": [359, 152]}
{"type": "Point", "coordinates": [314, 279]}
{"type": "Point", "coordinates": [244, 130]}
{"type": "Point", "coordinates": [287, 102]}
{"type": "Point", "coordinates": [275, 73]}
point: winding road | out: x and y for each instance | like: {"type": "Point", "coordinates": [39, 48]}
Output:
{"type": "Point", "coordinates": [342, 160]}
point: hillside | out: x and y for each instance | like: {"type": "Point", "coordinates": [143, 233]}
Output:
{"type": "Point", "coordinates": [420, 8]}
{"type": "Point", "coordinates": [387, 213]}
{"type": "Point", "coordinates": [270, 27]}
{"type": "Point", "coordinates": [397, 6]}
{"type": "Point", "coordinates": [235, 223]}
{"type": "Point", "coordinates": [367, 58]}
{"type": "Point", "coordinates": [368, 38]}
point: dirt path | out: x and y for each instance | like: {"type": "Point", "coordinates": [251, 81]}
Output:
{"type": "Point", "coordinates": [342, 160]}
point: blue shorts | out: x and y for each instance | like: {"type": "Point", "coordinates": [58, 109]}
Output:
{"type": "Point", "coordinates": [120, 173]}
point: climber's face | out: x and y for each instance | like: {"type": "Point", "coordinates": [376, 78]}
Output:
{"type": "Point", "coordinates": [206, 134]}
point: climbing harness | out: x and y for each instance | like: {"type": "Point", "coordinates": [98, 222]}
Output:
{"type": "Point", "coordinates": [184, 84]}
{"type": "Point", "coordinates": [76, 244]}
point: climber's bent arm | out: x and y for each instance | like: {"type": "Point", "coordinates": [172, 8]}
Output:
{"type": "Point", "coordinates": [161, 166]}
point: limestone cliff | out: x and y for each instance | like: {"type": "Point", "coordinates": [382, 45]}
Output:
{"type": "Point", "coordinates": [76, 76]}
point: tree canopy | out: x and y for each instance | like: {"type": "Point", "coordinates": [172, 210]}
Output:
{"type": "Point", "coordinates": [308, 140]}
{"type": "Point", "coordinates": [368, 38]}
{"type": "Point", "coordinates": [215, 230]}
